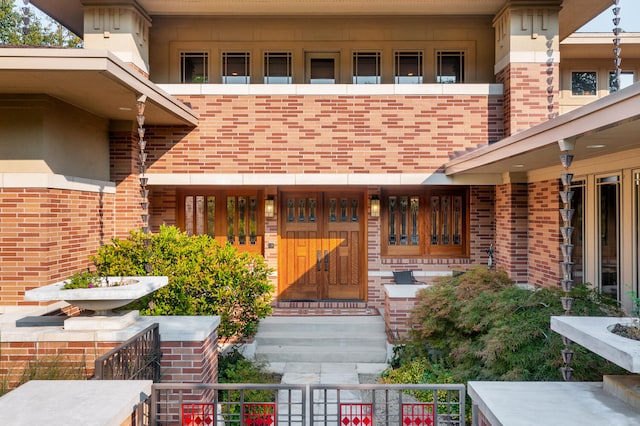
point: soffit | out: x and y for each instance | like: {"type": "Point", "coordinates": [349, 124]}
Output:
{"type": "Point", "coordinates": [613, 121]}
{"type": "Point", "coordinates": [573, 15]}
{"type": "Point", "coordinates": [95, 81]}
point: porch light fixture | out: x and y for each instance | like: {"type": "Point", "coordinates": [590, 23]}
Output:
{"type": "Point", "coordinates": [374, 206]}
{"type": "Point", "coordinates": [269, 206]}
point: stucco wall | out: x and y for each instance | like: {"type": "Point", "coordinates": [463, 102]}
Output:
{"type": "Point", "coordinates": [43, 135]}
{"type": "Point", "coordinates": [343, 35]}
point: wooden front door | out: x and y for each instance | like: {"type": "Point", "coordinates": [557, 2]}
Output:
{"type": "Point", "coordinates": [322, 249]}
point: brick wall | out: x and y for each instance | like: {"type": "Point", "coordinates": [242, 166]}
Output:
{"type": "Point", "coordinates": [62, 360]}
{"type": "Point", "coordinates": [47, 235]}
{"type": "Point", "coordinates": [511, 247]}
{"type": "Point", "coordinates": [324, 134]}
{"type": "Point", "coordinates": [526, 101]}
{"type": "Point", "coordinates": [544, 233]}
{"type": "Point", "coordinates": [190, 361]}
{"type": "Point", "coordinates": [397, 317]}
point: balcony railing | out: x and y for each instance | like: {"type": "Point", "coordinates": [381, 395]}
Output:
{"type": "Point", "coordinates": [306, 405]}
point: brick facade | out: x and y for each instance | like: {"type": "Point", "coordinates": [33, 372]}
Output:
{"type": "Point", "coordinates": [511, 247]}
{"type": "Point", "coordinates": [47, 235]}
{"type": "Point", "coordinates": [124, 173]}
{"type": "Point", "coordinates": [324, 134]}
{"type": "Point", "coordinates": [54, 359]}
{"type": "Point", "coordinates": [526, 100]}
{"type": "Point", "coordinates": [190, 361]}
{"type": "Point", "coordinates": [544, 233]}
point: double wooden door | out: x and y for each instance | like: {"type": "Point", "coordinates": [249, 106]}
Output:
{"type": "Point", "coordinates": [322, 249]}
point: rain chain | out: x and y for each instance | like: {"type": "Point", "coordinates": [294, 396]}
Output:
{"type": "Point", "coordinates": [566, 195]}
{"type": "Point", "coordinates": [616, 49]}
{"type": "Point", "coordinates": [142, 155]}
{"type": "Point", "coordinates": [26, 20]}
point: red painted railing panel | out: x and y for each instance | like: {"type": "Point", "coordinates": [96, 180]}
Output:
{"type": "Point", "coordinates": [417, 414]}
{"type": "Point", "coordinates": [356, 414]}
{"type": "Point", "coordinates": [258, 414]}
{"type": "Point", "coordinates": [198, 414]}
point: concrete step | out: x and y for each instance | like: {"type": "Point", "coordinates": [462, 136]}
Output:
{"type": "Point", "coordinates": [359, 339]}
{"type": "Point", "coordinates": [320, 355]}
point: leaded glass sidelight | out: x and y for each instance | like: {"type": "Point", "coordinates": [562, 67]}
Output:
{"type": "Point", "coordinates": [393, 207]}
{"type": "Point", "coordinates": [188, 215]}
{"type": "Point", "coordinates": [435, 220]}
{"type": "Point", "coordinates": [200, 215]}
{"type": "Point", "coordinates": [333, 206]}
{"type": "Point", "coordinates": [291, 206]}
{"type": "Point", "coordinates": [253, 220]}
{"type": "Point", "coordinates": [354, 210]}
{"type": "Point", "coordinates": [302, 210]}
{"type": "Point", "coordinates": [242, 220]}
{"type": "Point", "coordinates": [211, 216]}
{"type": "Point", "coordinates": [313, 207]}
{"type": "Point", "coordinates": [415, 211]}
{"type": "Point", "coordinates": [231, 213]}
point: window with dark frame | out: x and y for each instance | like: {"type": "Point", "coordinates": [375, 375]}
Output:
{"type": "Point", "coordinates": [194, 67]}
{"type": "Point", "coordinates": [277, 68]}
{"type": "Point", "coordinates": [236, 68]}
{"type": "Point", "coordinates": [323, 70]}
{"type": "Point", "coordinates": [366, 68]}
{"type": "Point", "coordinates": [450, 67]}
{"type": "Point", "coordinates": [431, 222]}
{"type": "Point", "coordinates": [626, 80]}
{"type": "Point", "coordinates": [584, 83]}
{"type": "Point", "coordinates": [408, 68]}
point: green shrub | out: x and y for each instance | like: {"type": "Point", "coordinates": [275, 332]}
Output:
{"type": "Point", "coordinates": [482, 327]}
{"type": "Point", "coordinates": [234, 368]}
{"type": "Point", "coordinates": [205, 278]}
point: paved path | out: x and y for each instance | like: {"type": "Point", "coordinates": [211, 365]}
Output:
{"type": "Point", "coordinates": [324, 373]}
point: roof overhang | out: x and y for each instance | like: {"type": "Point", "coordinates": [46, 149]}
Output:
{"type": "Point", "coordinates": [95, 81]}
{"type": "Point", "coordinates": [573, 15]}
{"type": "Point", "coordinates": [607, 126]}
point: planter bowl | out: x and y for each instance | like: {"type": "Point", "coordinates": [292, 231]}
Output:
{"type": "Point", "coordinates": [99, 299]}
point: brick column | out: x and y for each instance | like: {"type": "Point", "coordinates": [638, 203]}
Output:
{"type": "Point", "coordinates": [511, 246]}
{"type": "Point", "coordinates": [527, 62]}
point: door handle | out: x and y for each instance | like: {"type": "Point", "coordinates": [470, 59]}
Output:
{"type": "Point", "coordinates": [326, 260]}
{"type": "Point", "coordinates": [319, 263]}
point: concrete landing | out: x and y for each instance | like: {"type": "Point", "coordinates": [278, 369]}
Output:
{"type": "Point", "coordinates": [321, 339]}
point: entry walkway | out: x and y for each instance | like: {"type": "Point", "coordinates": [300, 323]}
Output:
{"type": "Point", "coordinates": [345, 373]}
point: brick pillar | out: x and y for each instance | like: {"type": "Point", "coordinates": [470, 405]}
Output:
{"type": "Point", "coordinates": [527, 58]}
{"type": "Point", "coordinates": [511, 246]}
{"type": "Point", "coordinates": [124, 172]}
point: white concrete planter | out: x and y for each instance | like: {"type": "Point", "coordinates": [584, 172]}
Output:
{"type": "Point", "coordinates": [594, 333]}
{"type": "Point", "coordinates": [99, 299]}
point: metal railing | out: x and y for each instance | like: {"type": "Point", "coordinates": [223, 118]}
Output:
{"type": "Point", "coordinates": [307, 405]}
{"type": "Point", "coordinates": [136, 359]}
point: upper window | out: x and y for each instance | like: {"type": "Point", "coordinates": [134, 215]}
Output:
{"type": "Point", "coordinates": [277, 68]}
{"type": "Point", "coordinates": [408, 68]}
{"type": "Point", "coordinates": [194, 67]}
{"type": "Point", "coordinates": [366, 68]}
{"type": "Point", "coordinates": [322, 70]}
{"type": "Point", "coordinates": [450, 67]}
{"type": "Point", "coordinates": [626, 80]}
{"type": "Point", "coordinates": [425, 223]}
{"type": "Point", "coordinates": [584, 83]}
{"type": "Point", "coordinates": [236, 68]}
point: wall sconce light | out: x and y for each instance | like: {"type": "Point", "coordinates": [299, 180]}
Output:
{"type": "Point", "coordinates": [374, 206]}
{"type": "Point", "coordinates": [269, 206]}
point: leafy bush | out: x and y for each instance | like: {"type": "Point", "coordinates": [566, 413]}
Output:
{"type": "Point", "coordinates": [205, 278]}
{"type": "Point", "coordinates": [234, 368]}
{"type": "Point", "coordinates": [482, 327]}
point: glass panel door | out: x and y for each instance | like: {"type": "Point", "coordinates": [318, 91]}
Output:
{"type": "Point", "coordinates": [608, 220]}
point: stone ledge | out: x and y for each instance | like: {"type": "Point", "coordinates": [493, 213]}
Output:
{"type": "Point", "coordinates": [403, 291]}
{"type": "Point", "coordinates": [593, 333]}
{"type": "Point", "coordinates": [73, 402]}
